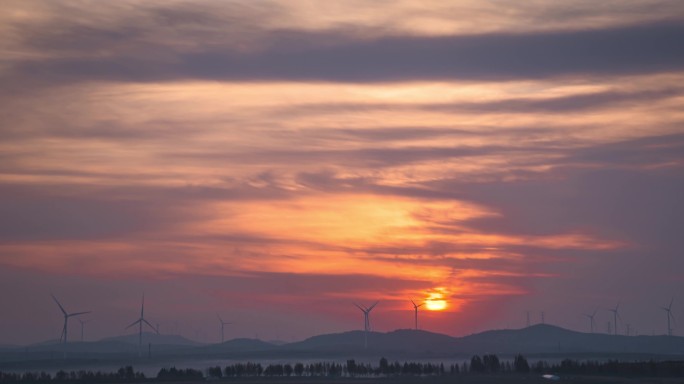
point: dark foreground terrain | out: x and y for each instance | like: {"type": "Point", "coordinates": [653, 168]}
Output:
{"type": "Point", "coordinates": [463, 379]}
{"type": "Point", "coordinates": [480, 369]}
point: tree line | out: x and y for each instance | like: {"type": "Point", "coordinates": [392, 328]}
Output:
{"type": "Point", "coordinates": [486, 364]}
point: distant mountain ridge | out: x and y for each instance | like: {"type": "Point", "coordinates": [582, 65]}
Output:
{"type": "Point", "coordinates": [539, 339]}
{"type": "Point", "coordinates": [544, 338]}
{"type": "Point", "coordinates": [399, 342]}
{"type": "Point", "coordinates": [154, 338]}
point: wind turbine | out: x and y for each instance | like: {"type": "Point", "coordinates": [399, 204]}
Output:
{"type": "Point", "coordinates": [591, 320]}
{"type": "Point", "coordinates": [82, 324]}
{"type": "Point", "coordinates": [366, 321]}
{"type": "Point", "coordinates": [140, 322]}
{"type": "Point", "coordinates": [223, 323]}
{"type": "Point", "coordinates": [616, 316]}
{"type": "Point", "coordinates": [63, 337]}
{"type": "Point", "coordinates": [668, 310]}
{"type": "Point", "coordinates": [415, 307]}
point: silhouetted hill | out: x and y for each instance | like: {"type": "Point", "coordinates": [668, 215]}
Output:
{"type": "Point", "coordinates": [537, 339]}
{"type": "Point", "coordinates": [155, 339]}
{"type": "Point", "coordinates": [400, 344]}
{"type": "Point", "coordinates": [544, 338]}
{"type": "Point", "coordinates": [397, 343]}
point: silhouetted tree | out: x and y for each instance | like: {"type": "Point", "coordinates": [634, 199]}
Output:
{"type": "Point", "coordinates": [520, 364]}
{"type": "Point", "coordinates": [299, 369]}
{"type": "Point", "coordinates": [215, 372]}
{"type": "Point", "coordinates": [384, 366]}
{"type": "Point", "coordinates": [476, 364]}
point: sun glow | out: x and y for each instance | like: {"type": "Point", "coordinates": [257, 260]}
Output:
{"type": "Point", "coordinates": [435, 305]}
{"type": "Point", "coordinates": [436, 300]}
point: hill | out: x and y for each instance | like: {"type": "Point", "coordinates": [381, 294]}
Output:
{"type": "Point", "coordinates": [402, 344]}
{"type": "Point", "coordinates": [399, 343]}
{"type": "Point", "coordinates": [155, 339]}
{"type": "Point", "coordinates": [544, 338]}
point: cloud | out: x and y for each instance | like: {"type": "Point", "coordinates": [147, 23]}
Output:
{"type": "Point", "coordinates": [560, 105]}
{"type": "Point", "coordinates": [624, 191]}
{"type": "Point", "coordinates": [307, 56]}
{"type": "Point", "coordinates": [62, 212]}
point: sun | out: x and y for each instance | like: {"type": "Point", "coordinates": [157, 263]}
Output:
{"type": "Point", "coordinates": [435, 305]}
{"type": "Point", "coordinates": [436, 300]}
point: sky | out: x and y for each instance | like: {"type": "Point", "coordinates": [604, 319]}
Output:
{"type": "Point", "coordinates": [275, 162]}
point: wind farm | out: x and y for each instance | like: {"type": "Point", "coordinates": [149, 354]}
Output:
{"type": "Point", "coordinates": [538, 341]}
{"type": "Point", "coordinates": [369, 333]}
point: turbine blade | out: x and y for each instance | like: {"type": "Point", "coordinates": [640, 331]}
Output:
{"type": "Point", "coordinates": [78, 313]}
{"type": "Point", "coordinates": [134, 323]}
{"type": "Point", "coordinates": [373, 306]}
{"type": "Point", "coordinates": [360, 307]}
{"type": "Point", "coordinates": [60, 305]}
{"type": "Point", "coordinates": [414, 304]}
{"type": "Point", "coordinates": [219, 317]}
{"type": "Point", "coordinates": [151, 326]}
{"type": "Point", "coordinates": [670, 306]}
{"type": "Point", "coordinates": [142, 307]}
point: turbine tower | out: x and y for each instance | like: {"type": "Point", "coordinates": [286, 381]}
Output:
{"type": "Point", "coordinates": [591, 320]}
{"type": "Point", "coordinates": [82, 324]}
{"type": "Point", "coordinates": [223, 323]}
{"type": "Point", "coordinates": [140, 322]}
{"type": "Point", "coordinates": [366, 321]}
{"type": "Point", "coordinates": [616, 316]}
{"type": "Point", "coordinates": [415, 307]}
{"type": "Point", "coordinates": [65, 328]}
{"type": "Point", "coordinates": [668, 310]}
